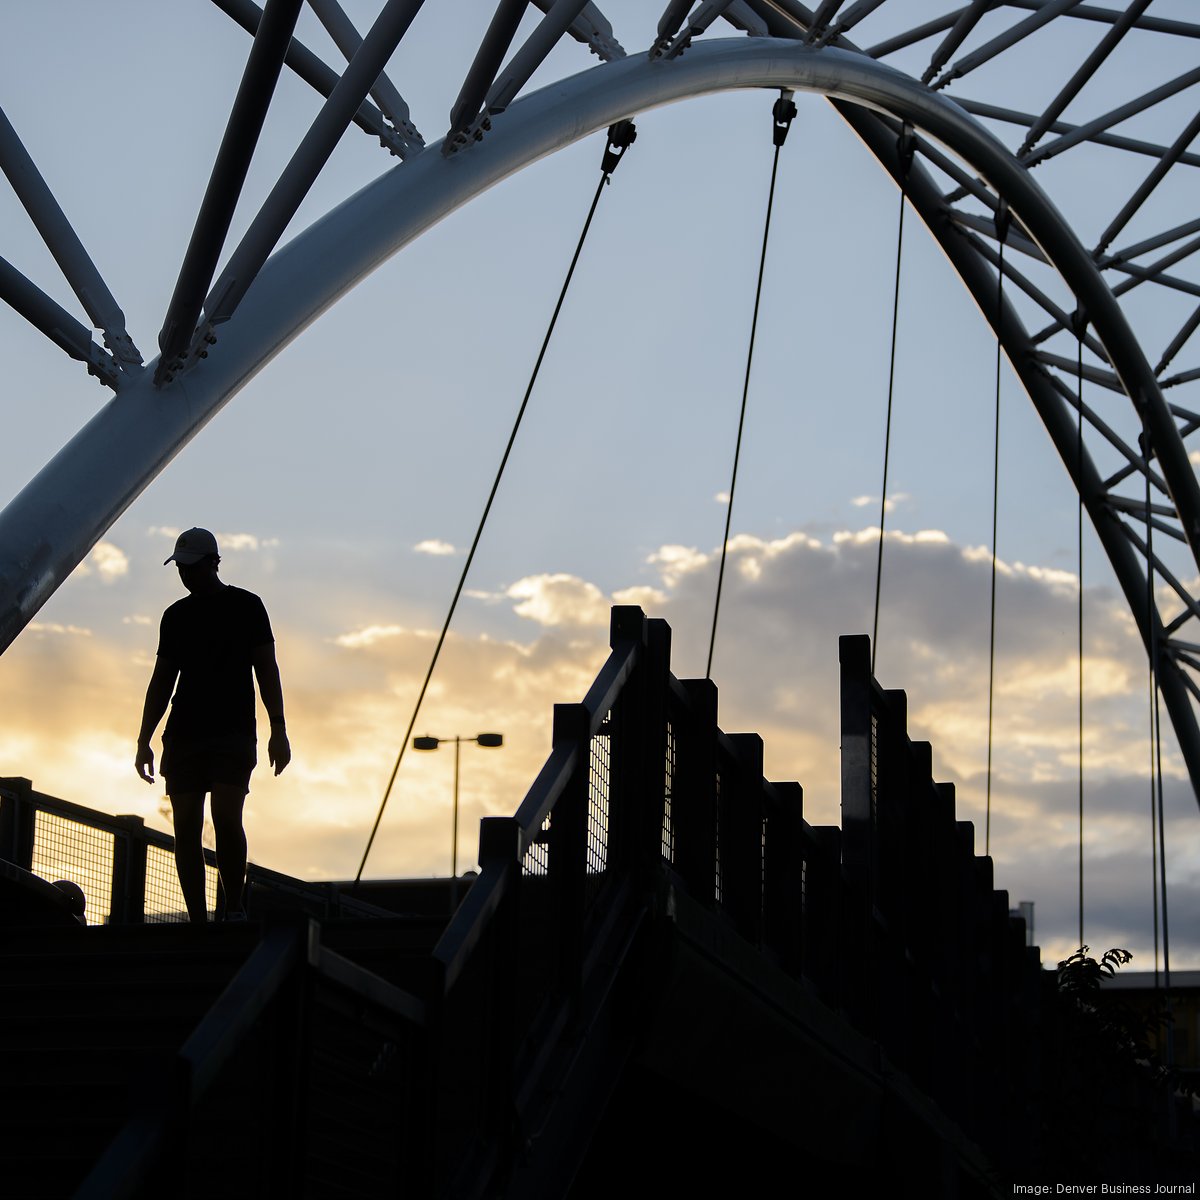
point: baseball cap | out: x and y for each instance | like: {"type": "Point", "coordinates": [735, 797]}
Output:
{"type": "Point", "coordinates": [191, 546]}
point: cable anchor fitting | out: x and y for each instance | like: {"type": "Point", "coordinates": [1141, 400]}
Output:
{"type": "Point", "coordinates": [783, 113]}
{"type": "Point", "coordinates": [906, 148]}
{"type": "Point", "coordinates": [621, 136]}
{"type": "Point", "coordinates": [1003, 219]}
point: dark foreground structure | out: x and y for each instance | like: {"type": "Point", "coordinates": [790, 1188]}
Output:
{"type": "Point", "coordinates": [662, 974]}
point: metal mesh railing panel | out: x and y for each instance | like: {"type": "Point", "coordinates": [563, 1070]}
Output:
{"type": "Point", "coordinates": [718, 888]}
{"type": "Point", "coordinates": [537, 857]}
{"type": "Point", "coordinates": [599, 784]}
{"type": "Point", "coordinates": [164, 897]}
{"type": "Point", "coordinates": [668, 824]}
{"type": "Point", "coordinates": [66, 849]}
{"type": "Point", "coordinates": [762, 866]}
{"type": "Point", "coordinates": [874, 770]}
{"type": "Point", "coordinates": [599, 796]}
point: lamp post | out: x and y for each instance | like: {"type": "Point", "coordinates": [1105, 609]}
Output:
{"type": "Point", "coordinates": [488, 741]}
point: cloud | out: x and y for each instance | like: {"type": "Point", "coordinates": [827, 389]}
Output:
{"type": "Point", "coordinates": [435, 547]}
{"type": "Point", "coordinates": [228, 542]}
{"type": "Point", "coordinates": [559, 600]}
{"type": "Point", "coordinates": [108, 561]}
{"type": "Point", "coordinates": [647, 598]}
{"type": "Point", "coordinates": [55, 629]}
{"type": "Point", "coordinates": [676, 561]}
{"type": "Point", "coordinates": [359, 638]}
{"type": "Point", "coordinates": [892, 503]}
{"type": "Point", "coordinates": [232, 542]}
{"type": "Point", "coordinates": [111, 561]}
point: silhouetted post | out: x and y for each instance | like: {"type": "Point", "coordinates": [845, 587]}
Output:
{"type": "Point", "coordinates": [860, 745]}
{"type": "Point", "coordinates": [627, 627]}
{"type": "Point", "coordinates": [426, 1085]}
{"type": "Point", "coordinates": [822, 890]}
{"type": "Point", "coordinates": [943, 930]}
{"type": "Point", "coordinates": [917, 918]}
{"type": "Point", "coordinates": [741, 833]}
{"type": "Point", "coordinates": [127, 902]}
{"type": "Point", "coordinates": [920, 868]}
{"type": "Point", "coordinates": [694, 804]}
{"type": "Point", "coordinates": [783, 868]}
{"type": "Point", "coordinates": [894, 797]}
{"type": "Point", "coordinates": [499, 854]}
{"type": "Point", "coordinates": [568, 846]}
{"type": "Point", "coordinates": [17, 821]}
{"type": "Point", "coordinates": [288, 1050]}
{"type": "Point", "coordinates": [652, 753]}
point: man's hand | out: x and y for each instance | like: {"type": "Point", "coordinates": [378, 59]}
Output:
{"type": "Point", "coordinates": [143, 762]}
{"type": "Point", "coordinates": [279, 750]}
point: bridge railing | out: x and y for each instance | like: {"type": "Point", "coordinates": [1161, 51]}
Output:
{"type": "Point", "coordinates": [126, 870]}
{"type": "Point", "coordinates": [891, 919]}
{"type": "Point", "coordinates": [938, 971]}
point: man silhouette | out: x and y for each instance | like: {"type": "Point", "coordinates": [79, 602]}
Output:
{"type": "Point", "coordinates": [213, 642]}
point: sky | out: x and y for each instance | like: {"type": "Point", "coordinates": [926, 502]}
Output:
{"type": "Point", "coordinates": [346, 479]}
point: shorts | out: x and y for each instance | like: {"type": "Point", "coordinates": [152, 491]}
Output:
{"type": "Point", "coordinates": [198, 765]}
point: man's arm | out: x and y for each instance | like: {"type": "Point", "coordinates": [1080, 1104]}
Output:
{"type": "Point", "coordinates": [266, 669]}
{"type": "Point", "coordinates": [158, 696]}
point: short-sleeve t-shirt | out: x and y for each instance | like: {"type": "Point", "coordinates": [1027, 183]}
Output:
{"type": "Point", "coordinates": [211, 639]}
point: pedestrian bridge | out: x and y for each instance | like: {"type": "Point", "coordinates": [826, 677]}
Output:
{"type": "Point", "coordinates": [661, 973]}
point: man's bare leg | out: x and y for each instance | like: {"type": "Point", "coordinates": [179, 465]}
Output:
{"type": "Point", "coordinates": [187, 811]}
{"type": "Point", "coordinates": [227, 805]}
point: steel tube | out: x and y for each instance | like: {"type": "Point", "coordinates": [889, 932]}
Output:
{"type": "Point", "coordinates": [48, 316]}
{"type": "Point", "coordinates": [314, 71]}
{"type": "Point", "coordinates": [63, 243]}
{"type": "Point", "coordinates": [228, 176]}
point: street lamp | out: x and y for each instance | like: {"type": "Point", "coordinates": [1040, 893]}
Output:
{"type": "Point", "coordinates": [489, 741]}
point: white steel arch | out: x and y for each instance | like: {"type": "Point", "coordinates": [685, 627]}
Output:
{"type": "Point", "coordinates": [52, 525]}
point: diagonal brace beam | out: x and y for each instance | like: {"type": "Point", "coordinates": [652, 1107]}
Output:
{"type": "Point", "coordinates": [63, 242]}
{"type": "Point", "coordinates": [311, 155]}
{"type": "Point", "coordinates": [226, 181]}
{"type": "Point", "coordinates": [341, 29]}
{"type": "Point", "coordinates": [56, 323]}
{"type": "Point", "coordinates": [318, 75]}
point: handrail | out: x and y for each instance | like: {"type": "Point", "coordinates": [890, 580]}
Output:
{"type": "Point", "coordinates": [366, 985]}
{"type": "Point", "coordinates": [469, 922]}
{"type": "Point", "coordinates": [127, 871]}
{"type": "Point", "coordinates": [224, 1027]}
{"type": "Point", "coordinates": [542, 796]}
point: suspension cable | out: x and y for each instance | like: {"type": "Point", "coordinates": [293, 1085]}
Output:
{"type": "Point", "coordinates": [1152, 693]}
{"type": "Point", "coordinates": [906, 145]}
{"type": "Point", "coordinates": [1002, 222]}
{"type": "Point", "coordinates": [620, 137]}
{"type": "Point", "coordinates": [1157, 777]}
{"type": "Point", "coordinates": [1080, 323]}
{"type": "Point", "coordinates": [782, 114]}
